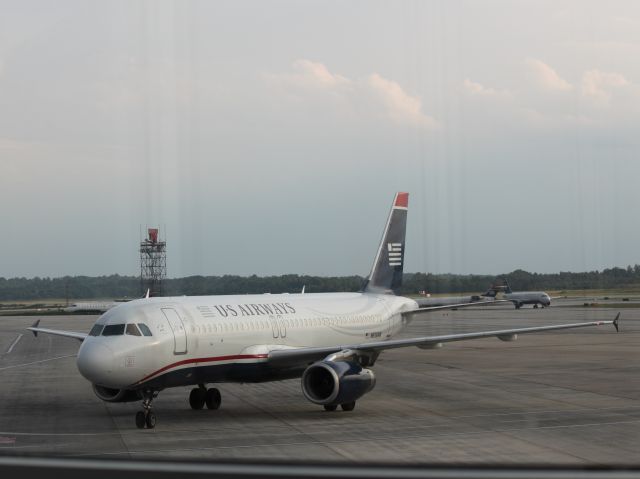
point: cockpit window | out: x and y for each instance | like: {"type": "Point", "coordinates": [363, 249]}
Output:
{"type": "Point", "coordinates": [113, 330]}
{"type": "Point", "coordinates": [133, 330]}
{"type": "Point", "coordinates": [96, 330]}
{"type": "Point", "coordinates": [145, 329]}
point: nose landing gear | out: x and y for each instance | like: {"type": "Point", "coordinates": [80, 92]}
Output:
{"type": "Point", "coordinates": [146, 417]}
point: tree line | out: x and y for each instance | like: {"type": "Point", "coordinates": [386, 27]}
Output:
{"type": "Point", "coordinates": [116, 286]}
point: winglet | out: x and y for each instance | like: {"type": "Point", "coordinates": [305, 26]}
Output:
{"type": "Point", "coordinates": [303, 288]}
{"type": "Point", "coordinates": [148, 293]}
{"type": "Point", "coordinates": [35, 325]}
{"type": "Point", "coordinates": [615, 322]}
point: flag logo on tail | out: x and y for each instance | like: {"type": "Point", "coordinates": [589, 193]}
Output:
{"type": "Point", "coordinates": [395, 254]}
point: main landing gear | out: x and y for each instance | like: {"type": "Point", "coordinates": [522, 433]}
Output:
{"type": "Point", "coordinates": [349, 406]}
{"type": "Point", "coordinates": [147, 417]}
{"type": "Point", "coordinates": [201, 395]}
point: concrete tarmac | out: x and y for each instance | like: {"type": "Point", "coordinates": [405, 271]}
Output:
{"type": "Point", "coordinates": [566, 398]}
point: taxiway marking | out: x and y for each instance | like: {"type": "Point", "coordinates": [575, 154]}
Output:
{"type": "Point", "coordinates": [37, 362]}
{"type": "Point", "coordinates": [13, 344]}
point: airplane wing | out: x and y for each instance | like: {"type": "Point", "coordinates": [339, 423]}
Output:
{"type": "Point", "coordinates": [56, 332]}
{"type": "Point", "coordinates": [301, 356]}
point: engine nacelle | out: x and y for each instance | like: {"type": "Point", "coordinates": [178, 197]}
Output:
{"type": "Point", "coordinates": [116, 395]}
{"type": "Point", "coordinates": [336, 382]}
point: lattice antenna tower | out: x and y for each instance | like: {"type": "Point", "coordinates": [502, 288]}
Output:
{"type": "Point", "coordinates": [153, 263]}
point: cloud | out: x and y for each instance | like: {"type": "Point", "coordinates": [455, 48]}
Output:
{"type": "Point", "coordinates": [480, 90]}
{"type": "Point", "coordinates": [368, 97]}
{"type": "Point", "coordinates": [546, 77]}
{"type": "Point", "coordinates": [401, 107]}
{"type": "Point", "coordinates": [597, 85]}
{"type": "Point", "coordinates": [314, 74]}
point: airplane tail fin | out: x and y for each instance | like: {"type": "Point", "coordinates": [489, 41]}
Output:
{"type": "Point", "coordinates": [498, 287]}
{"type": "Point", "coordinates": [386, 273]}
{"type": "Point", "coordinates": [490, 293]}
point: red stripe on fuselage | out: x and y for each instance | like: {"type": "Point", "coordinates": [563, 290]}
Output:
{"type": "Point", "coordinates": [204, 360]}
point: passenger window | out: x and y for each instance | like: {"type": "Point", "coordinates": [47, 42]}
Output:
{"type": "Point", "coordinates": [113, 330]}
{"type": "Point", "coordinates": [145, 330]}
{"type": "Point", "coordinates": [133, 330]}
{"type": "Point", "coordinates": [96, 330]}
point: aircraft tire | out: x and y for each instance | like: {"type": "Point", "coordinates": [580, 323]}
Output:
{"type": "Point", "coordinates": [140, 419]}
{"type": "Point", "coordinates": [150, 420]}
{"type": "Point", "coordinates": [213, 399]}
{"type": "Point", "coordinates": [330, 407]}
{"type": "Point", "coordinates": [197, 398]}
{"type": "Point", "coordinates": [349, 406]}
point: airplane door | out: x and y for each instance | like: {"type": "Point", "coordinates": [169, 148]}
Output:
{"type": "Point", "coordinates": [282, 326]}
{"type": "Point", "coordinates": [388, 322]}
{"type": "Point", "coordinates": [274, 326]}
{"type": "Point", "coordinates": [179, 331]}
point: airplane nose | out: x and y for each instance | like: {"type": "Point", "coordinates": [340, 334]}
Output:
{"type": "Point", "coordinates": [95, 362]}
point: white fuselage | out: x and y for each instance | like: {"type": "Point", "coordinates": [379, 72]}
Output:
{"type": "Point", "coordinates": [529, 297]}
{"type": "Point", "coordinates": [200, 339]}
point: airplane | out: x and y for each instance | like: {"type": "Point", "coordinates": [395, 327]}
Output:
{"type": "Point", "coordinates": [97, 306]}
{"type": "Point", "coordinates": [520, 298]}
{"type": "Point", "coordinates": [92, 307]}
{"type": "Point", "coordinates": [453, 300]}
{"type": "Point", "coordinates": [329, 340]}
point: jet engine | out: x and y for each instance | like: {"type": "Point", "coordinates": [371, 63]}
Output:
{"type": "Point", "coordinates": [116, 395]}
{"type": "Point", "coordinates": [336, 382]}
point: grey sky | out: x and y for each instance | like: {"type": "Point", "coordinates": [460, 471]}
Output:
{"type": "Point", "coordinates": [269, 137]}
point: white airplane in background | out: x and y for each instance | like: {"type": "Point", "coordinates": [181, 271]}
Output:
{"type": "Point", "coordinates": [519, 298]}
{"type": "Point", "coordinates": [330, 340]}
{"type": "Point", "coordinates": [97, 306]}
{"type": "Point", "coordinates": [452, 300]}
{"type": "Point", "coordinates": [92, 306]}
